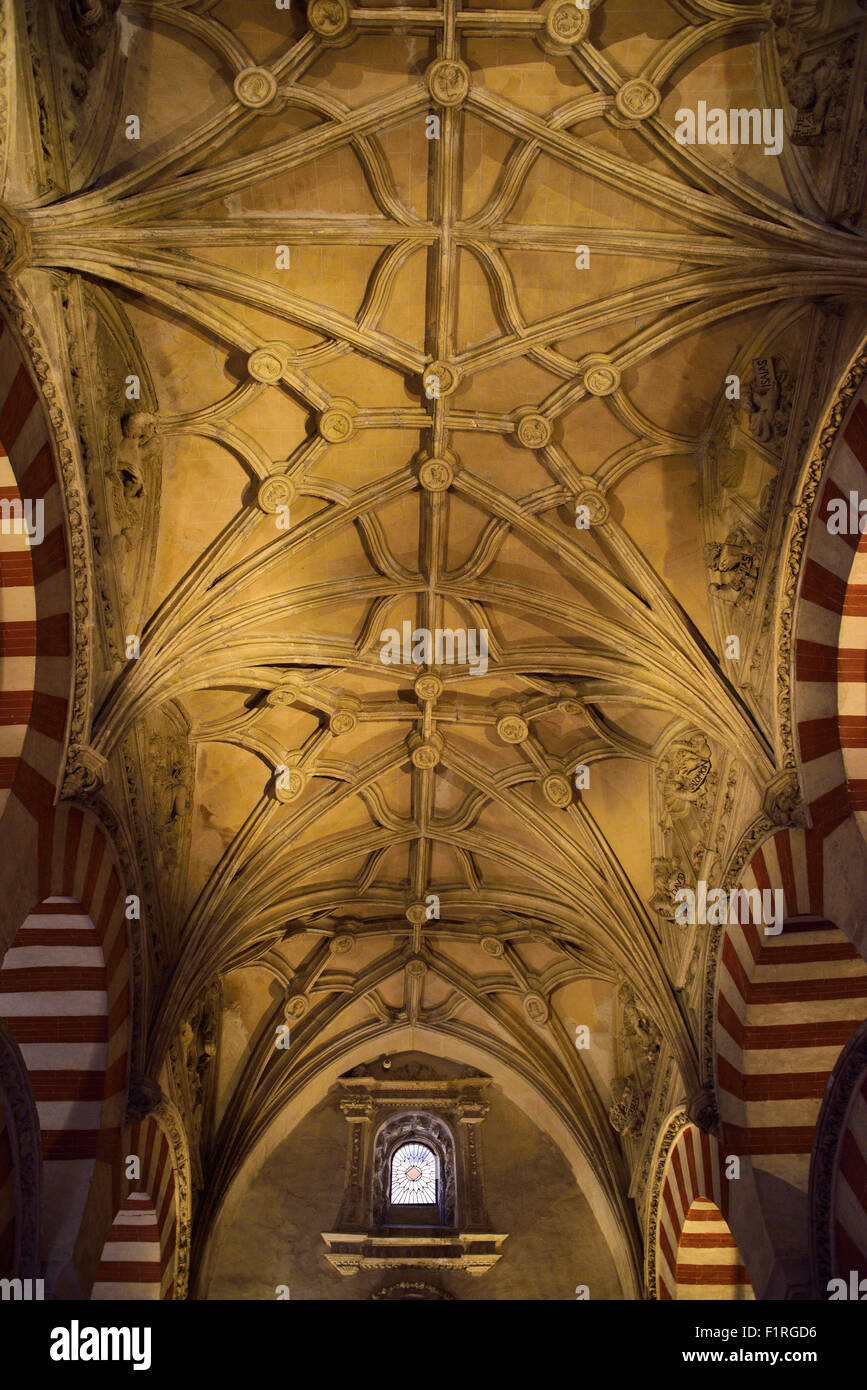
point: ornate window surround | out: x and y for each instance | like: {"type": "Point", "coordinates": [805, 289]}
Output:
{"type": "Point", "coordinates": [445, 1115]}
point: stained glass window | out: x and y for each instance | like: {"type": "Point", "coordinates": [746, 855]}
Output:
{"type": "Point", "coordinates": [413, 1175]}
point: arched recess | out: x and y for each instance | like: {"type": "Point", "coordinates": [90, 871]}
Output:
{"type": "Point", "coordinates": [550, 1118]}
{"type": "Point", "coordinates": [132, 1263]}
{"type": "Point", "coordinates": [838, 1175]}
{"type": "Point", "coordinates": [709, 1264]}
{"type": "Point", "coordinates": [65, 993]}
{"type": "Point", "coordinates": [35, 622]}
{"type": "Point", "coordinates": [785, 1006]}
{"type": "Point", "coordinates": [689, 1186]}
{"type": "Point", "coordinates": [20, 1166]}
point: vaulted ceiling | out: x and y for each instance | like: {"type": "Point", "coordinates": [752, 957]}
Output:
{"type": "Point", "coordinates": [402, 291]}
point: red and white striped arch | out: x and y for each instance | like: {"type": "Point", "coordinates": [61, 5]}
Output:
{"type": "Point", "coordinates": [709, 1264]}
{"type": "Point", "coordinates": [35, 622]}
{"type": "Point", "coordinates": [830, 667]}
{"type": "Point", "coordinates": [148, 1141]}
{"type": "Point", "coordinates": [131, 1266]}
{"type": "Point", "coordinates": [65, 993]}
{"type": "Point", "coordinates": [785, 1006]}
{"type": "Point", "coordinates": [696, 1256]}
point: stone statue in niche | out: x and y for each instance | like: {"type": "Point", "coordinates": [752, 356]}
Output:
{"type": "Point", "coordinates": [128, 474]}
{"type": "Point", "coordinates": [735, 564]}
{"type": "Point", "coordinates": [686, 778]}
{"type": "Point", "coordinates": [199, 1047]}
{"type": "Point", "coordinates": [87, 26]}
{"type": "Point", "coordinates": [171, 791]}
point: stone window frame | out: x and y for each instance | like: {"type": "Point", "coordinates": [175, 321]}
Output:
{"type": "Point", "coordinates": [436, 1134]}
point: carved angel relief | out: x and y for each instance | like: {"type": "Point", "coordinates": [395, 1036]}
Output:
{"type": "Point", "coordinates": [192, 1057]}
{"type": "Point", "coordinates": [817, 86]}
{"type": "Point", "coordinates": [668, 877]}
{"type": "Point", "coordinates": [638, 1047]}
{"type": "Point", "coordinates": [766, 401]}
{"type": "Point", "coordinates": [627, 1108]}
{"type": "Point", "coordinates": [639, 1037]}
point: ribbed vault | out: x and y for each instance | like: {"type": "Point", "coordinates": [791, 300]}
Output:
{"type": "Point", "coordinates": [377, 389]}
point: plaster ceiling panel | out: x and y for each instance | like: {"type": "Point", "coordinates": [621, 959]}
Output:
{"type": "Point", "coordinates": [406, 147]}
{"type": "Point", "coordinates": [157, 62]}
{"type": "Point", "coordinates": [729, 79]}
{"type": "Point", "coordinates": [261, 26]}
{"type": "Point", "coordinates": [615, 787]}
{"type": "Point", "coordinates": [591, 433]}
{"type": "Point", "coordinates": [556, 195]}
{"type": "Point", "coordinates": [486, 149]}
{"type": "Point", "coordinates": [264, 130]}
{"type": "Point", "coordinates": [668, 487]}
{"type": "Point", "coordinates": [590, 1004]}
{"type": "Point", "coordinates": [330, 183]}
{"type": "Point", "coordinates": [188, 372]}
{"type": "Point", "coordinates": [505, 383]}
{"type": "Point", "coordinates": [247, 995]}
{"type": "Point", "coordinates": [546, 282]}
{"type": "Point", "coordinates": [337, 274]}
{"type": "Point", "coordinates": [622, 23]}
{"type": "Point", "coordinates": [516, 69]}
{"type": "Point", "coordinates": [193, 470]}
{"type": "Point", "coordinates": [476, 318]}
{"type": "Point", "coordinates": [696, 365]}
{"type": "Point", "coordinates": [445, 865]}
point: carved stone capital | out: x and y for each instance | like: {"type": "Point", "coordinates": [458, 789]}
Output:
{"type": "Point", "coordinates": [86, 773]}
{"type": "Point", "coordinates": [782, 802]}
{"type": "Point", "coordinates": [701, 1109]}
{"type": "Point", "coordinates": [143, 1098]}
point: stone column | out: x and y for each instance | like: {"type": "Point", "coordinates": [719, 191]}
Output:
{"type": "Point", "coordinates": [470, 1114]}
{"type": "Point", "coordinates": [355, 1212]}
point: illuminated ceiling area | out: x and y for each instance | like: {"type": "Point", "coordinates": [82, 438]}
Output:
{"type": "Point", "coordinates": [438, 416]}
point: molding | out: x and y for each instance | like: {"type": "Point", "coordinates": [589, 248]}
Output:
{"type": "Point", "coordinates": [169, 1117]}
{"type": "Point", "coordinates": [673, 1128]}
{"type": "Point", "coordinates": [805, 496]}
